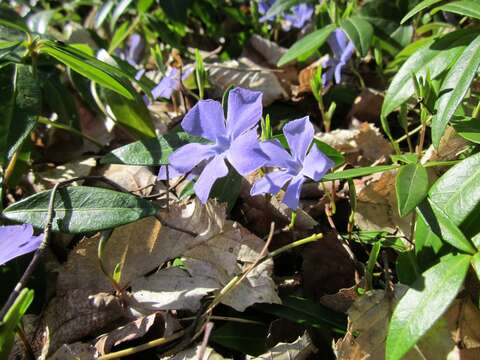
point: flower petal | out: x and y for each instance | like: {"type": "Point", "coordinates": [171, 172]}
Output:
{"type": "Point", "coordinates": [337, 42]}
{"type": "Point", "coordinates": [190, 155]}
{"type": "Point", "coordinates": [135, 47]}
{"type": "Point", "coordinates": [17, 240]}
{"type": "Point", "coordinates": [167, 85]}
{"type": "Point", "coordinates": [292, 194]}
{"type": "Point", "coordinates": [270, 183]}
{"type": "Point", "coordinates": [245, 153]}
{"type": "Point", "coordinates": [214, 170]}
{"type": "Point", "coordinates": [244, 110]}
{"type": "Point", "coordinates": [316, 164]}
{"type": "Point", "coordinates": [172, 173]}
{"type": "Point", "coordinates": [277, 155]}
{"type": "Point", "coordinates": [299, 134]}
{"type": "Point", "coordinates": [205, 119]}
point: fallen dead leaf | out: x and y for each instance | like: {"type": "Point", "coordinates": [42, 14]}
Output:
{"type": "Point", "coordinates": [245, 73]}
{"type": "Point", "coordinates": [77, 351]}
{"type": "Point", "coordinates": [136, 179]}
{"type": "Point", "coordinates": [363, 144]}
{"type": "Point", "coordinates": [193, 353]}
{"type": "Point", "coordinates": [269, 50]}
{"type": "Point", "coordinates": [369, 316]}
{"type": "Point", "coordinates": [300, 349]}
{"type": "Point", "coordinates": [377, 204]}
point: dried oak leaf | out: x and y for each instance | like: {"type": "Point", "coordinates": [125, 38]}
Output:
{"type": "Point", "coordinates": [300, 349]}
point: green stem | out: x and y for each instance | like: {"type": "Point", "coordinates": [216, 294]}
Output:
{"type": "Point", "coordinates": [69, 129]}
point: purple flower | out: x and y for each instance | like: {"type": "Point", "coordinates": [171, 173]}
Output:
{"type": "Point", "coordinates": [134, 50]}
{"type": "Point", "coordinates": [17, 240]}
{"type": "Point", "coordinates": [295, 166]}
{"type": "Point", "coordinates": [235, 139]}
{"type": "Point", "coordinates": [342, 50]}
{"type": "Point", "coordinates": [169, 83]}
{"type": "Point", "coordinates": [296, 17]}
{"type": "Point", "coordinates": [300, 15]}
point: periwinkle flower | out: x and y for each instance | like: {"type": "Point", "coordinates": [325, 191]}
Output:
{"type": "Point", "coordinates": [134, 49]}
{"type": "Point", "coordinates": [342, 50]}
{"type": "Point", "coordinates": [170, 82]}
{"type": "Point", "coordinates": [301, 14]}
{"type": "Point", "coordinates": [234, 139]}
{"type": "Point", "coordinates": [296, 17]}
{"type": "Point", "coordinates": [294, 167]}
{"type": "Point", "coordinates": [17, 240]}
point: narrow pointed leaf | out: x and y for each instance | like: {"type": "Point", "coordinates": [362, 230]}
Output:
{"type": "Point", "coordinates": [433, 57]}
{"type": "Point", "coordinates": [358, 172]}
{"type": "Point", "coordinates": [424, 303]}
{"type": "Point", "coordinates": [306, 45]}
{"type": "Point", "coordinates": [420, 7]}
{"type": "Point", "coordinates": [360, 31]}
{"type": "Point", "coordinates": [411, 187]}
{"type": "Point", "coordinates": [454, 88]}
{"type": "Point", "coordinates": [469, 8]}
{"type": "Point", "coordinates": [81, 209]}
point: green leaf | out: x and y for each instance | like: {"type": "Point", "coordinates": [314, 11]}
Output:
{"type": "Point", "coordinates": [434, 57]}
{"type": "Point", "coordinates": [358, 172]}
{"type": "Point", "coordinates": [10, 19]}
{"type": "Point", "coordinates": [119, 36]}
{"type": "Point", "coordinates": [306, 44]}
{"type": "Point", "coordinates": [119, 10]}
{"type": "Point", "coordinates": [150, 152]}
{"type": "Point", "coordinates": [279, 6]}
{"type": "Point", "coordinates": [468, 128]}
{"type": "Point", "coordinates": [441, 225]}
{"type": "Point", "coordinates": [407, 267]}
{"type": "Point", "coordinates": [424, 303]}
{"type": "Point", "coordinates": [457, 193]}
{"type": "Point", "coordinates": [8, 325]}
{"type": "Point", "coordinates": [103, 12]}
{"type": "Point", "coordinates": [422, 6]}
{"type": "Point", "coordinates": [411, 187]}
{"type": "Point", "coordinates": [86, 65]}
{"type": "Point", "coordinates": [81, 209]}
{"type": "Point", "coordinates": [476, 264]}
{"type": "Point", "coordinates": [227, 189]}
{"type": "Point", "coordinates": [132, 114]}
{"type": "Point", "coordinates": [469, 8]}
{"type": "Point", "coordinates": [454, 88]}
{"type": "Point", "coordinates": [246, 338]}
{"type": "Point", "coordinates": [39, 21]}
{"type": "Point", "coordinates": [360, 31]}
{"type": "Point", "coordinates": [20, 103]}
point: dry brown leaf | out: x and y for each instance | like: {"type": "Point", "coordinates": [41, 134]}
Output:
{"type": "Point", "coordinates": [77, 351]}
{"type": "Point", "coordinates": [221, 250]}
{"type": "Point", "coordinates": [300, 349]}
{"type": "Point", "coordinates": [363, 145]}
{"type": "Point", "coordinates": [377, 204]}
{"type": "Point", "coordinates": [369, 316]}
{"type": "Point", "coordinates": [194, 352]}
{"type": "Point", "coordinates": [269, 50]}
{"type": "Point", "coordinates": [47, 179]}
{"type": "Point", "coordinates": [367, 106]}
{"type": "Point", "coordinates": [245, 73]}
{"type": "Point", "coordinates": [137, 179]}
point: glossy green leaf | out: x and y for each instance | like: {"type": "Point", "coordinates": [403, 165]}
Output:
{"type": "Point", "coordinates": [441, 225]}
{"type": "Point", "coordinates": [119, 36]}
{"type": "Point", "coordinates": [426, 240]}
{"type": "Point", "coordinates": [457, 193]}
{"type": "Point", "coordinates": [454, 88]}
{"type": "Point", "coordinates": [10, 19]}
{"type": "Point", "coordinates": [8, 325]}
{"type": "Point", "coordinates": [434, 57]}
{"type": "Point", "coordinates": [358, 172]}
{"type": "Point", "coordinates": [476, 264]}
{"type": "Point", "coordinates": [360, 31]}
{"type": "Point", "coordinates": [39, 21]}
{"type": "Point", "coordinates": [306, 44]}
{"type": "Point", "coordinates": [420, 7]}
{"type": "Point", "coordinates": [150, 152]}
{"type": "Point", "coordinates": [20, 103]}
{"type": "Point", "coordinates": [407, 267]}
{"type": "Point", "coordinates": [469, 129]}
{"type": "Point", "coordinates": [279, 6]}
{"type": "Point", "coordinates": [119, 10]}
{"type": "Point", "coordinates": [103, 12]}
{"type": "Point", "coordinates": [132, 114]}
{"type": "Point", "coordinates": [469, 8]}
{"type": "Point", "coordinates": [424, 303]}
{"type": "Point", "coordinates": [227, 189]}
{"type": "Point", "coordinates": [86, 65]}
{"type": "Point", "coordinates": [411, 187]}
{"type": "Point", "coordinates": [246, 338]}
{"type": "Point", "coordinates": [81, 209]}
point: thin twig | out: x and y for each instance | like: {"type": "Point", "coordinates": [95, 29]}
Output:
{"type": "Point", "coordinates": [206, 336]}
